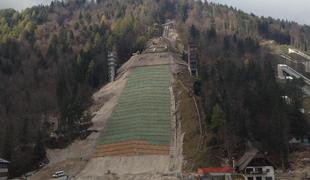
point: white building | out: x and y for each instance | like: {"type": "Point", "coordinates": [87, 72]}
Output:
{"type": "Point", "coordinates": [296, 141]}
{"type": "Point", "coordinates": [256, 166]}
{"type": "Point", "coordinates": [4, 169]}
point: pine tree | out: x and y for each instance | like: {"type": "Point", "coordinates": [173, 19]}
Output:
{"type": "Point", "coordinates": [218, 118]}
{"type": "Point", "coordinates": [39, 150]}
{"type": "Point", "coordinates": [8, 145]}
{"type": "Point", "coordinates": [91, 73]}
{"type": "Point", "coordinates": [98, 40]}
{"type": "Point", "coordinates": [24, 133]}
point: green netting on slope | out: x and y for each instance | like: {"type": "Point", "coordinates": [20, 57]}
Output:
{"type": "Point", "coordinates": [143, 111]}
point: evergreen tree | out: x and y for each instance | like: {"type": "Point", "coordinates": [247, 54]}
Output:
{"type": "Point", "coordinates": [8, 145]}
{"type": "Point", "coordinates": [39, 152]}
{"type": "Point", "coordinates": [24, 133]}
{"type": "Point", "coordinates": [218, 118]}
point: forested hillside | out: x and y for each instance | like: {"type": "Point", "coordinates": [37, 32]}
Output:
{"type": "Point", "coordinates": [237, 84]}
{"type": "Point", "coordinates": [52, 58]}
{"type": "Point", "coordinates": [228, 20]}
{"type": "Point", "coordinates": [51, 61]}
{"type": "Point", "coordinates": [244, 103]}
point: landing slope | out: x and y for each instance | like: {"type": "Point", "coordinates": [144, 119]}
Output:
{"type": "Point", "coordinates": [140, 139]}
{"type": "Point", "coordinates": [141, 121]}
{"type": "Point", "coordinates": [143, 110]}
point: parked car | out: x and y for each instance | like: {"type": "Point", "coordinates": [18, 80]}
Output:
{"type": "Point", "coordinates": [58, 174]}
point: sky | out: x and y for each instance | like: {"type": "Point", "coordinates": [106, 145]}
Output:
{"type": "Point", "coordinates": [21, 4]}
{"type": "Point", "coordinates": [293, 10]}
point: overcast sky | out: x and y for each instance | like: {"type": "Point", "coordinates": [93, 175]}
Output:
{"type": "Point", "coordinates": [21, 4]}
{"type": "Point", "coordinates": [295, 10]}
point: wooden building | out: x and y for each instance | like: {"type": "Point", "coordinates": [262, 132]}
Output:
{"type": "Point", "coordinates": [255, 165]}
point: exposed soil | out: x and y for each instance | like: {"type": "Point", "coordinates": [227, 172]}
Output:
{"type": "Point", "coordinates": [165, 164]}
{"type": "Point", "coordinates": [74, 158]}
{"type": "Point", "coordinates": [79, 161]}
{"type": "Point", "coordinates": [188, 118]}
{"type": "Point", "coordinates": [126, 165]}
{"type": "Point", "coordinates": [299, 166]}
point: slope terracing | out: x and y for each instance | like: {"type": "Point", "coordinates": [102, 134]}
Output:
{"type": "Point", "coordinates": [141, 121]}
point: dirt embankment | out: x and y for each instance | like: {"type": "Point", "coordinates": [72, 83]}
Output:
{"type": "Point", "coordinates": [299, 166]}
{"type": "Point", "coordinates": [190, 116]}
{"type": "Point", "coordinates": [144, 166]}
{"type": "Point", "coordinates": [78, 160]}
{"type": "Point", "coordinates": [126, 166]}
{"type": "Point", "coordinates": [74, 158]}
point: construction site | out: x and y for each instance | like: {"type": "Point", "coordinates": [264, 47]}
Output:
{"type": "Point", "coordinates": [136, 132]}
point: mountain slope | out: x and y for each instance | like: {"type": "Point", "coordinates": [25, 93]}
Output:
{"type": "Point", "coordinates": [53, 58]}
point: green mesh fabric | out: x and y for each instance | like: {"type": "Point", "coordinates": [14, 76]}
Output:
{"type": "Point", "coordinates": [143, 111]}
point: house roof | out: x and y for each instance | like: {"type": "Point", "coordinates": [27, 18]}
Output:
{"type": "Point", "coordinates": [169, 22]}
{"type": "Point", "coordinates": [249, 156]}
{"type": "Point", "coordinates": [4, 161]}
{"type": "Point", "coordinates": [226, 169]}
{"type": "Point", "coordinates": [246, 159]}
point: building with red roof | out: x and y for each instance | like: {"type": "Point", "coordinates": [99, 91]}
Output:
{"type": "Point", "coordinates": [226, 169]}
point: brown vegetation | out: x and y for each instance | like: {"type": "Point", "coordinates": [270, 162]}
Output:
{"type": "Point", "coordinates": [131, 148]}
